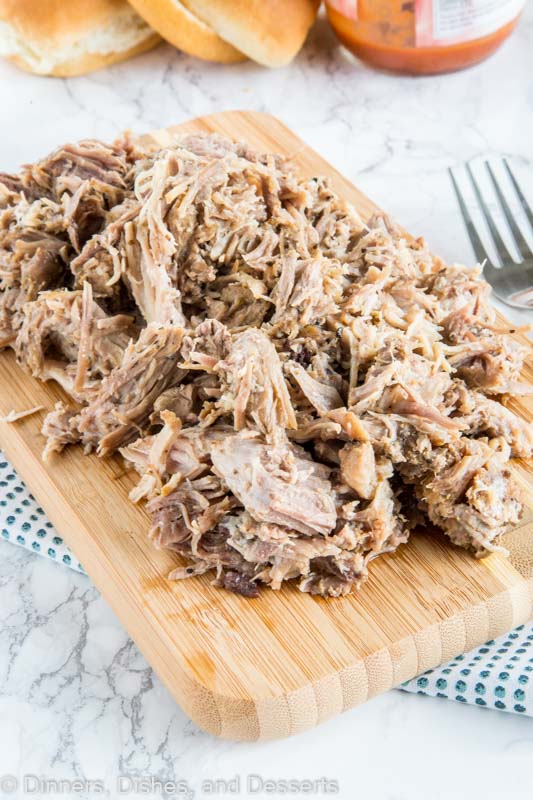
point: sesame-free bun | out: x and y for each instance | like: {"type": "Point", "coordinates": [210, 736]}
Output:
{"type": "Point", "coordinates": [182, 28]}
{"type": "Point", "coordinates": [71, 37]}
{"type": "Point", "coordinates": [270, 32]}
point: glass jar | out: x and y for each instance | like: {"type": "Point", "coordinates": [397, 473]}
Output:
{"type": "Point", "coordinates": [423, 37]}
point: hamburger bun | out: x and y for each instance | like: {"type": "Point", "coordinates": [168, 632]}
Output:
{"type": "Point", "coordinates": [67, 38]}
{"type": "Point", "coordinates": [270, 32]}
{"type": "Point", "coordinates": [179, 26]}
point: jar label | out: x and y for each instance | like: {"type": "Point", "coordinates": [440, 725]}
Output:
{"type": "Point", "coordinates": [444, 22]}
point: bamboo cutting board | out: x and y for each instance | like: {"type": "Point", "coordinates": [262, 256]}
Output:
{"type": "Point", "coordinates": [286, 661]}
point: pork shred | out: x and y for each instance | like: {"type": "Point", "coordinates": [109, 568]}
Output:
{"type": "Point", "coordinates": [296, 388]}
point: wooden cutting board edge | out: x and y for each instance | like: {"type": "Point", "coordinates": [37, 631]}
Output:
{"type": "Point", "coordinates": [274, 714]}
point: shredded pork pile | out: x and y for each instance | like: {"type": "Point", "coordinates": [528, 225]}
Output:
{"type": "Point", "coordinates": [296, 389]}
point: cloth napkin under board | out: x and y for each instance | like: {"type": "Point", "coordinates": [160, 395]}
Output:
{"type": "Point", "coordinates": [497, 675]}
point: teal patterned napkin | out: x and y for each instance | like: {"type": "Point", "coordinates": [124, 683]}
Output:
{"type": "Point", "coordinates": [23, 521]}
{"type": "Point", "coordinates": [497, 675]}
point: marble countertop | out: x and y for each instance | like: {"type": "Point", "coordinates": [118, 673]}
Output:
{"type": "Point", "coordinates": [77, 700]}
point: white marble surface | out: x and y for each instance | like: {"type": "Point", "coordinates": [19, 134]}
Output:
{"type": "Point", "coordinates": [76, 697]}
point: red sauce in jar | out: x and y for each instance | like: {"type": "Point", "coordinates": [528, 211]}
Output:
{"type": "Point", "coordinates": [423, 37]}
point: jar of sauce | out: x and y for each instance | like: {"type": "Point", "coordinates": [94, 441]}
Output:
{"type": "Point", "coordinates": [423, 37]}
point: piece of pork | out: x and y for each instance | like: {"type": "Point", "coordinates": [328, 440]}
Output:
{"type": "Point", "coordinates": [491, 364]}
{"type": "Point", "coordinates": [358, 468]}
{"type": "Point", "coordinates": [322, 396]}
{"type": "Point", "coordinates": [363, 533]}
{"type": "Point", "coordinates": [309, 296]}
{"type": "Point", "coordinates": [276, 484]}
{"type": "Point", "coordinates": [484, 415]}
{"type": "Point", "coordinates": [174, 454]}
{"type": "Point", "coordinates": [110, 254]}
{"type": "Point", "coordinates": [186, 519]}
{"type": "Point", "coordinates": [275, 552]}
{"type": "Point", "coordinates": [59, 429]}
{"type": "Point", "coordinates": [206, 346]}
{"type": "Point", "coordinates": [75, 187]}
{"type": "Point", "coordinates": [108, 165]}
{"type": "Point", "coordinates": [30, 261]}
{"type": "Point", "coordinates": [125, 401]}
{"type": "Point", "coordinates": [256, 392]}
{"type": "Point", "coordinates": [67, 337]}
{"type": "Point", "coordinates": [122, 407]}
{"type": "Point", "coordinates": [474, 501]}
{"type": "Point", "coordinates": [181, 400]}
{"type": "Point", "coordinates": [151, 277]}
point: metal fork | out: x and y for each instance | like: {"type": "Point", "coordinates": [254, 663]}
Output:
{"type": "Point", "coordinates": [512, 282]}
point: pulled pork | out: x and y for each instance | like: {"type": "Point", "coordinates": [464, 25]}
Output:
{"type": "Point", "coordinates": [296, 388]}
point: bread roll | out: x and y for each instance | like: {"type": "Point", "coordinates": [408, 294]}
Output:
{"type": "Point", "coordinates": [270, 32]}
{"type": "Point", "coordinates": [71, 37]}
{"type": "Point", "coordinates": [179, 26]}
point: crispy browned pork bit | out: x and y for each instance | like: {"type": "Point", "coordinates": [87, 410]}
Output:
{"type": "Point", "coordinates": [295, 388]}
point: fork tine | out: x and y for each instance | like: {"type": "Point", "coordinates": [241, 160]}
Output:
{"type": "Point", "coordinates": [501, 249]}
{"type": "Point", "coordinates": [523, 202]}
{"type": "Point", "coordinates": [522, 245]}
{"type": "Point", "coordinates": [475, 241]}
